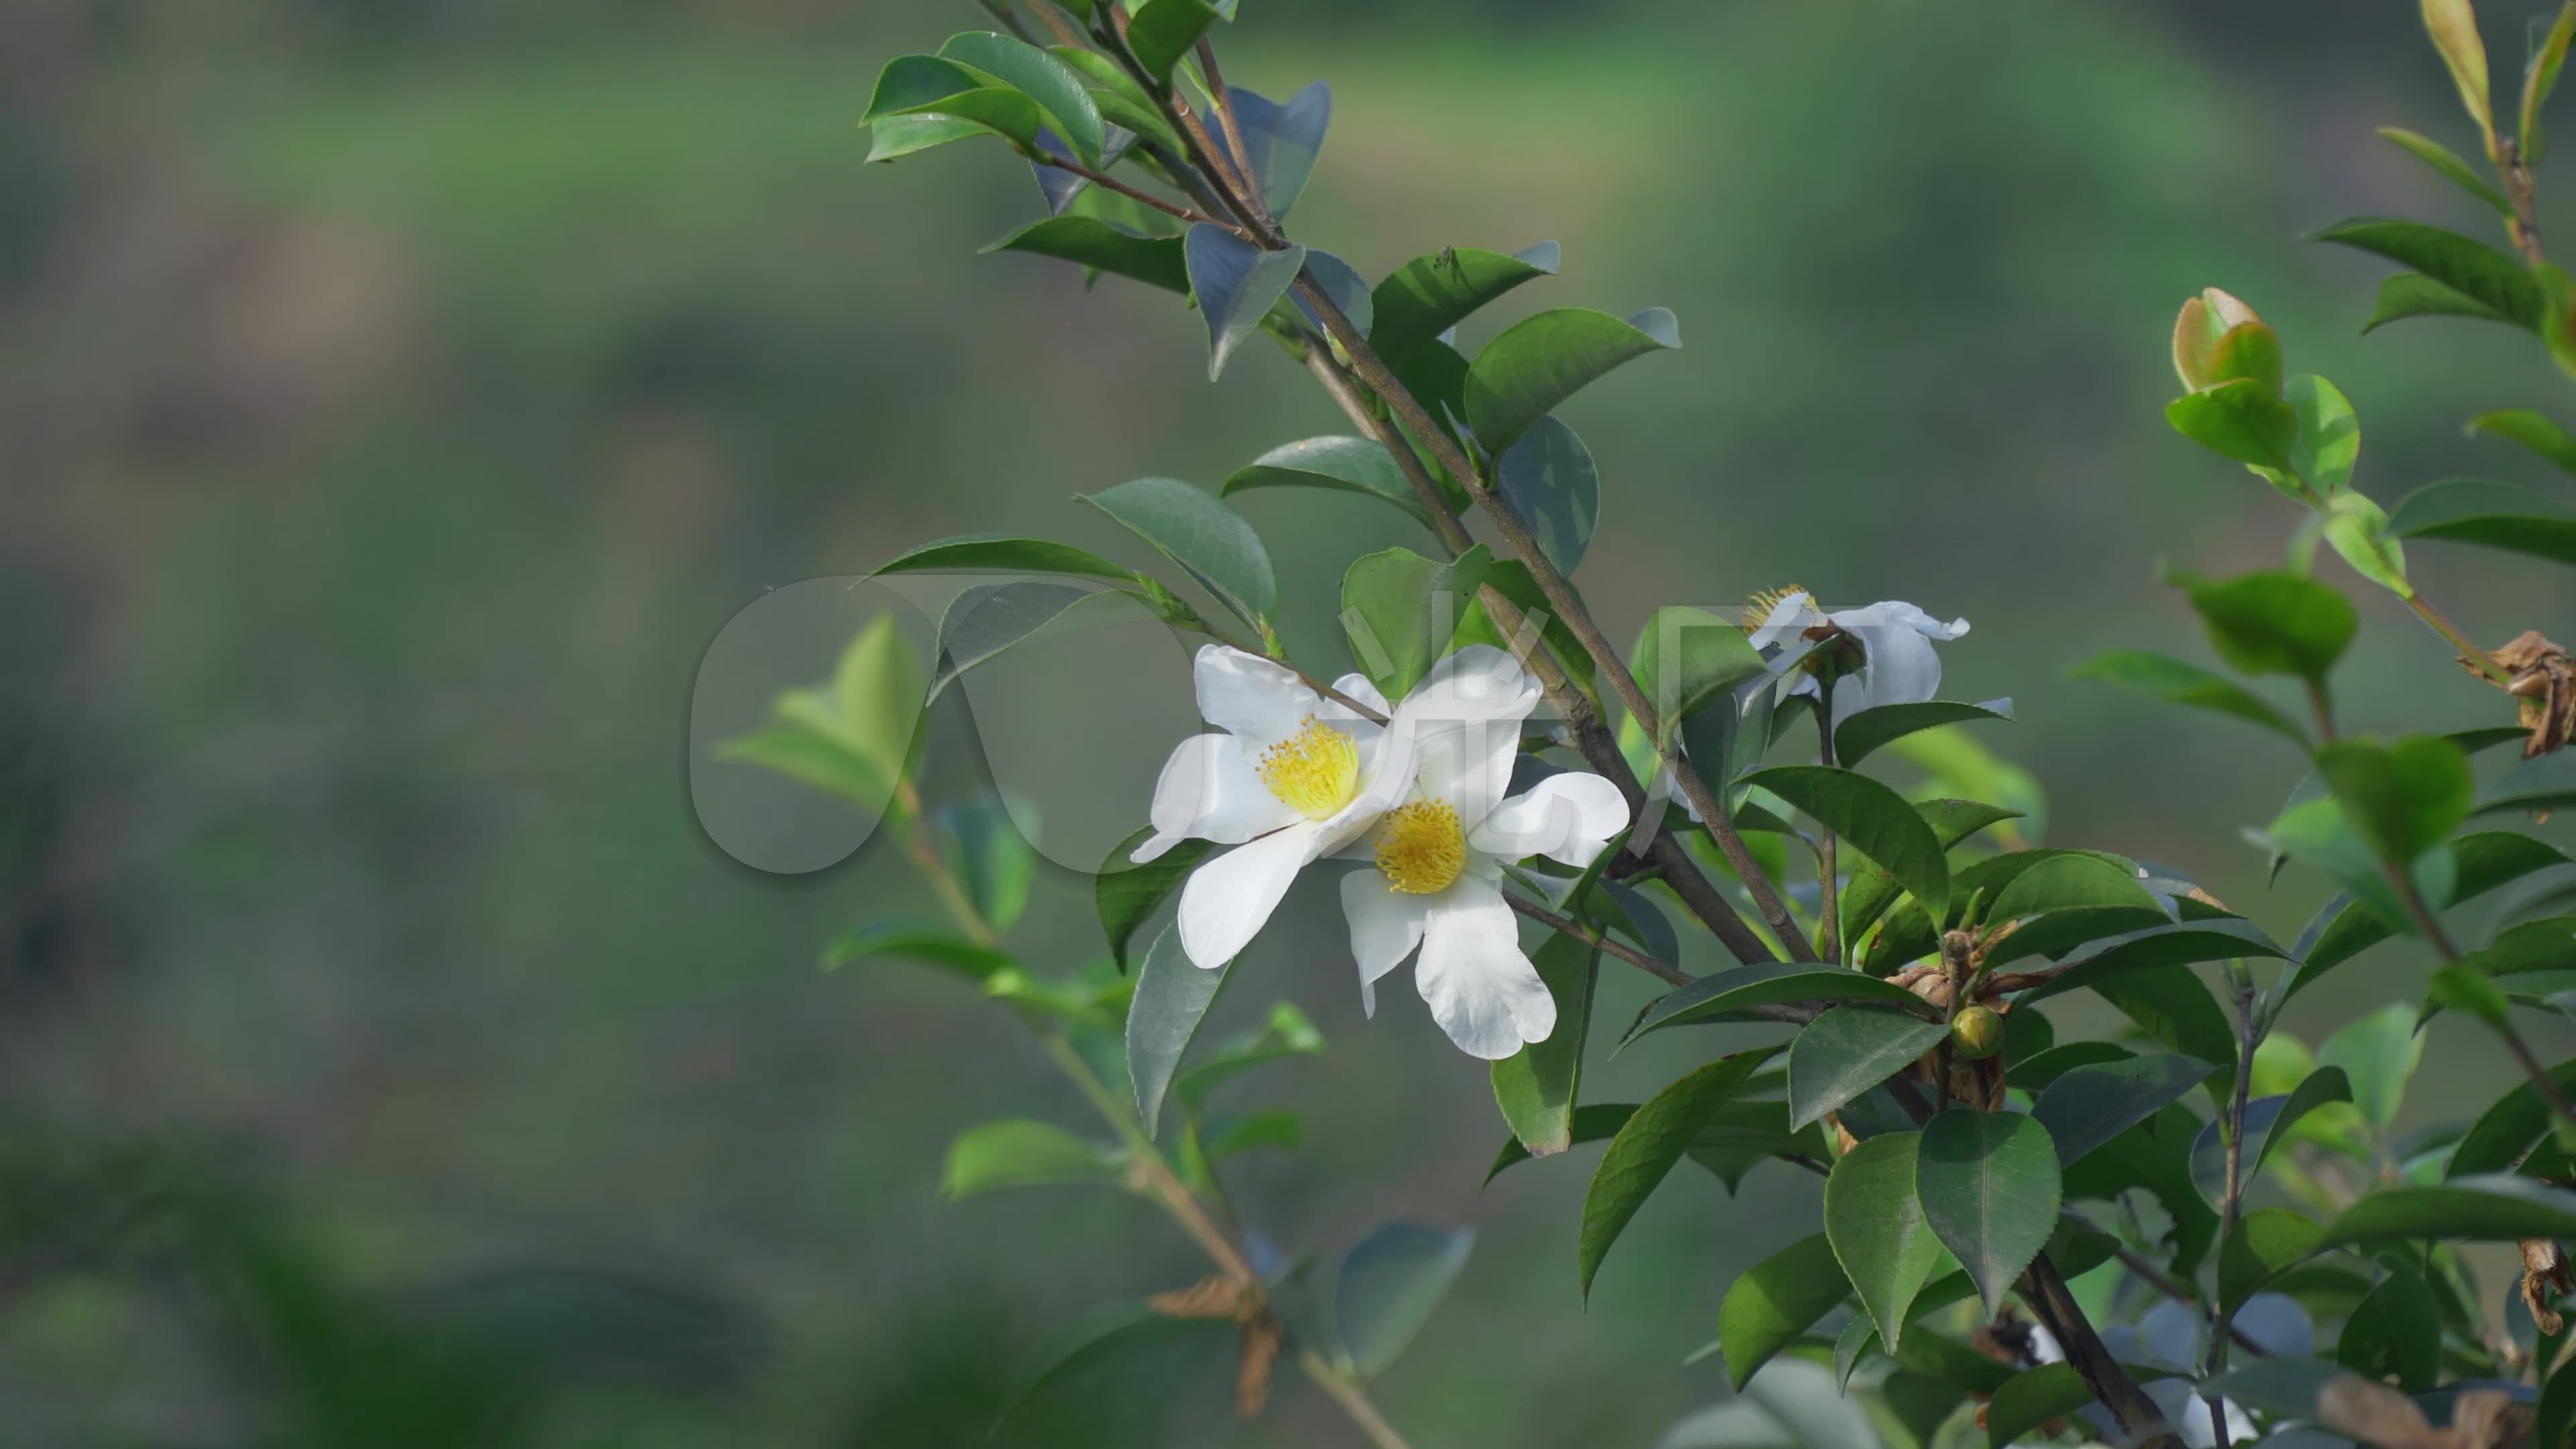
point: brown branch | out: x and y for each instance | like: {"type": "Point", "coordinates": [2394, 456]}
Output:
{"type": "Point", "coordinates": [1566, 927]}
{"type": "Point", "coordinates": [1103, 178]}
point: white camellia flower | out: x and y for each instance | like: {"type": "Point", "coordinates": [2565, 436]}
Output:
{"type": "Point", "coordinates": [1436, 881]}
{"type": "Point", "coordinates": [1897, 662]}
{"type": "Point", "coordinates": [1294, 777]}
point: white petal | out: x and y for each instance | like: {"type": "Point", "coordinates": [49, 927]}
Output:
{"type": "Point", "coordinates": [1791, 615]}
{"type": "Point", "coordinates": [1478, 683]}
{"type": "Point", "coordinates": [1468, 765]}
{"type": "Point", "coordinates": [1385, 927]}
{"type": "Point", "coordinates": [1569, 816]}
{"type": "Point", "coordinates": [1899, 665]}
{"type": "Point", "coordinates": [1480, 988]}
{"type": "Point", "coordinates": [1356, 686]}
{"type": "Point", "coordinates": [1226, 902]}
{"type": "Point", "coordinates": [1208, 790]}
{"type": "Point", "coordinates": [1250, 696]}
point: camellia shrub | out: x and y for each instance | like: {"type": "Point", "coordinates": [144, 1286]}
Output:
{"type": "Point", "coordinates": [2197, 1232]}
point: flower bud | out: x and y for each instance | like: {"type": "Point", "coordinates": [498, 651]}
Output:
{"type": "Point", "coordinates": [1977, 1033]}
{"type": "Point", "coordinates": [2218, 339]}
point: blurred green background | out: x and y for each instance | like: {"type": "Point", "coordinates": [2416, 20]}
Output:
{"type": "Point", "coordinates": [396, 396]}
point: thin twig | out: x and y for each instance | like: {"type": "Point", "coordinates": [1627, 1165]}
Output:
{"type": "Point", "coordinates": [1353, 1401]}
{"type": "Point", "coordinates": [1599, 942]}
{"type": "Point", "coordinates": [1828, 916]}
{"type": "Point", "coordinates": [1223, 99]}
{"type": "Point", "coordinates": [1103, 178]}
{"type": "Point", "coordinates": [2222, 1314]}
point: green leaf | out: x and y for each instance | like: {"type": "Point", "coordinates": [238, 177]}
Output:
{"type": "Point", "coordinates": [2088, 1105]}
{"type": "Point", "coordinates": [1775, 1301]}
{"type": "Point", "coordinates": [2491, 515]}
{"type": "Point", "coordinates": [2161, 677]}
{"type": "Point", "coordinates": [2172, 1006]}
{"type": "Point", "coordinates": [1157, 261]}
{"type": "Point", "coordinates": [2472, 268]}
{"type": "Point", "coordinates": [1849, 1050]}
{"type": "Point", "coordinates": [2074, 882]}
{"type": "Point", "coordinates": [1348, 465]}
{"type": "Point", "coordinates": [1021, 1153]}
{"type": "Point", "coordinates": [1872, 819]}
{"type": "Point", "coordinates": [2442, 159]}
{"type": "Point", "coordinates": [1203, 536]}
{"type": "Point", "coordinates": [1686, 658]}
{"type": "Point", "coordinates": [2267, 1242]}
{"type": "Point", "coordinates": [999, 109]}
{"type": "Point", "coordinates": [982, 847]}
{"type": "Point", "coordinates": [2543, 437]}
{"type": "Point", "coordinates": [2243, 420]}
{"type": "Point", "coordinates": [1172, 999]}
{"type": "Point", "coordinates": [2494, 1208]}
{"type": "Point", "coordinates": [1236, 284]}
{"type": "Point", "coordinates": [1537, 363]}
{"type": "Point", "coordinates": [2540, 949]}
{"type": "Point", "coordinates": [2276, 623]}
{"type": "Point", "coordinates": [1648, 1145]}
{"type": "Point", "coordinates": [2269, 1122]}
{"type": "Point", "coordinates": [1120, 100]}
{"type": "Point", "coordinates": [891, 138]}
{"type": "Point", "coordinates": [1859, 733]}
{"type": "Point", "coordinates": [2506, 1131]}
{"type": "Point", "coordinates": [1127, 894]}
{"type": "Point", "coordinates": [1390, 1282]}
{"type": "Point", "coordinates": [1041, 77]}
{"type": "Point", "coordinates": [2412, 294]}
{"type": "Point", "coordinates": [2539, 78]}
{"type": "Point", "coordinates": [2466, 989]}
{"type": "Point", "coordinates": [2379, 1052]}
{"type": "Point", "coordinates": [1431, 294]}
{"type": "Point", "coordinates": [1716, 996]}
{"type": "Point", "coordinates": [1989, 1185]}
{"type": "Point", "coordinates": [1283, 141]}
{"type": "Point", "coordinates": [931, 948]}
{"type": "Point", "coordinates": [988, 620]}
{"type": "Point", "coordinates": [1877, 1228]}
{"type": "Point", "coordinates": [2396, 1331]}
{"type": "Point", "coordinates": [2405, 796]}
{"type": "Point", "coordinates": [2453, 24]}
{"type": "Point", "coordinates": [2546, 783]}
{"type": "Point", "coordinates": [1872, 890]}
{"type": "Point", "coordinates": [1536, 1086]}
{"type": "Point", "coordinates": [1592, 1123]}
{"type": "Point", "coordinates": [1286, 1034]}
{"type": "Point", "coordinates": [909, 82]}
{"type": "Point", "coordinates": [992, 553]}
{"type": "Point", "coordinates": [1164, 30]}
{"type": "Point", "coordinates": [1400, 611]}
{"type": "Point", "coordinates": [2329, 437]}
{"type": "Point", "coordinates": [2358, 529]}
{"type": "Point", "coordinates": [1070, 1356]}
{"type": "Point", "coordinates": [812, 757]}
{"type": "Point", "coordinates": [1548, 479]}
{"type": "Point", "coordinates": [2032, 1398]}
{"type": "Point", "coordinates": [2482, 862]}
{"type": "Point", "coordinates": [1341, 283]}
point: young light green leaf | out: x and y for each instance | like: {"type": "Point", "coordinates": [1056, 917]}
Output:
{"type": "Point", "coordinates": [1648, 1145]}
{"type": "Point", "coordinates": [1989, 1185]}
{"type": "Point", "coordinates": [2492, 515]}
{"type": "Point", "coordinates": [2412, 294]}
{"type": "Point", "coordinates": [2242, 420]}
{"type": "Point", "coordinates": [1026, 1154]}
{"type": "Point", "coordinates": [1775, 1301]}
{"type": "Point", "coordinates": [2086, 1106]}
{"type": "Point", "coordinates": [1860, 733]}
{"type": "Point", "coordinates": [1235, 282]}
{"type": "Point", "coordinates": [2454, 170]}
{"type": "Point", "coordinates": [1157, 261]}
{"type": "Point", "coordinates": [2481, 862]}
{"type": "Point", "coordinates": [1172, 998]}
{"type": "Point", "coordinates": [1876, 1226]}
{"type": "Point", "coordinates": [1431, 294]}
{"type": "Point", "coordinates": [2453, 24]}
{"type": "Point", "coordinates": [1349, 465]}
{"type": "Point", "coordinates": [2404, 796]}
{"type": "Point", "coordinates": [1400, 611]}
{"type": "Point", "coordinates": [1536, 1086]}
{"type": "Point", "coordinates": [1390, 1283]}
{"type": "Point", "coordinates": [2540, 77]}
{"type": "Point", "coordinates": [1548, 479]}
{"type": "Point", "coordinates": [2472, 268]}
{"type": "Point", "coordinates": [2328, 442]}
{"type": "Point", "coordinates": [2358, 529]}
{"type": "Point", "coordinates": [1871, 819]}
{"type": "Point", "coordinates": [1203, 536]}
{"type": "Point", "coordinates": [2379, 1053]}
{"type": "Point", "coordinates": [2276, 623]}
{"type": "Point", "coordinates": [1041, 77]}
{"type": "Point", "coordinates": [1538, 363]}
{"type": "Point", "coordinates": [2162, 677]}
{"type": "Point", "coordinates": [1849, 1050]}
{"type": "Point", "coordinates": [949, 953]}
{"type": "Point", "coordinates": [2543, 437]}
{"type": "Point", "coordinates": [1282, 142]}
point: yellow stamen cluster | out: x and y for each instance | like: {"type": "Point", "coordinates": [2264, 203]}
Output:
{"type": "Point", "coordinates": [1420, 848]}
{"type": "Point", "coordinates": [1315, 772]}
{"type": "Point", "coordinates": [1757, 609]}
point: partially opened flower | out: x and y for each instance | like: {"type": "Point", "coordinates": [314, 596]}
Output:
{"type": "Point", "coordinates": [1293, 776]}
{"type": "Point", "coordinates": [1892, 640]}
{"type": "Point", "coordinates": [1435, 881]}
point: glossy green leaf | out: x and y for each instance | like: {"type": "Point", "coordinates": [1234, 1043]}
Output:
{"type": "Point", "coordinates": [1283, 140]}
{"type": "Point", "coordinates": [1849, 1050]}
{"type": "Point", "coordinates": [1192, 529]}
{"type": "Point", "coordinates": [1536, 1086]}
{"type": "Point", "coordinates": [988, 620]}
{"type": "Point", "coordinates": [2543, 437]}
{"type": "Point", "coordinates": [2073, 882]}
{"type": "Point", "coordinates": [1348, 465]}
{"type": "Point", "coordinates": [2472, 268]}
{"type": "Point", "coordinates": [2491, 515]}
{"type": "Point", "coordinates": [2528, 951]}
{"type": "Point", "coordinates": [2042, 1069]}
{"type": "Point", "coordinates": [2358, 530]}
{"type": "Point", "coordinates": [1431, 294]}
{"type": "Point", "coordinates": [1871, 819]}
{"type": "Point", "coordinates": [2447, 162]}
{"type": "Point", "coordinates": [1717, 996]}
{"type": "Point", "coordinates": [993, 553]}
{"type": "Point", "coordinates": [2243, 420]}
{"type": "Point", "coordinates": [1157, 261]}
{"type": "Point", "coordinates": [1120, 100]}
{"type": "Point", "coordinates": [2404, 796]}
{"type": "Point", "coordinates": [2547, 783]}
{"type": "Point", "coordinates": [2172, 1006]}
{"type": "Point", "coordinates": [1236, 284]}
{"type": "Point", "coordinates": [2088, 1105]}
{"type": "Point", "coordinates": [1685, 658]}
{"type": "Point", "coordinates": [2482, 862]}
{"type": "Point", "coordinates": [1775, 1301]}
{"type": "Point", "coordinates": [2267, 1242]}
{"type": "Point", "coordinates": [1400, 610]}
{"type": "Point", "coordinates": [891, 138]}
{"type": "Point", "coordinates": [2328, 441]}
{"type": "Point", "coordinates": [1523, 375]}
{"type": "Point", "coordinates": [909, 82]}
{"type": "Point", "coordinates": [2269, 1122]}
{"type": "Point", "coordinates": [2033, 1398]}
{"type": "Point", "coordinates": [1164, 30]}
{"type": "Point", "coordinates": [2276, 623]}
{"type": "Point", "coordinates": [2161, 677]}
{"type": "Point", "coordinates": [1648, 1145]}
{"type": "Point", "coordinates": [2379, 1052]}
{"type": "Point", "coordinates": [1389, 1285]}
{"type": "Point", "coordinates": [1871, 890]}
{"type": "Point", "coordinates": [952, 954]}
{"type": "Point", "coordinates": [1172, 999]}
{"type": "Point", "coordinates": [1027, 1154]}
{"type": "Point", "coordinates": [1548, 478]}
{"type": "Point", "coordinates": [2397, 1331]}
{"type": "Point", "coordinates": [1858, 734]}
{"type": "Point", "coordinates": [2507, 1130]}
{"type": "Point", "coordinates": [1877, 1228]}
{"type": "Point", "coordinates": [2183, 943]}
{"type": "Point", "coordinates": [1127, 894]}
{"type": "Point", "coordinates": [1989, 1186]}
{"type": "Point", "coordinates": [2412, 294]}
{"type": "Point", "coordinates": [1043, 78]}
{"type": "Point", "coordinates": [2492, 1208]}
{"type": "Point", "coordinates": [1592, 1122]}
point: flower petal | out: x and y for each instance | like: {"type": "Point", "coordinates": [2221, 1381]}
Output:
{"type": "Point", "coordinates": [1793, 614]}
{"type": "Point", "coordinates": [1569, 816]}
{"type": "Point", "coordinates": [1898, 666]}
{"type": "Point", "coordinates": [1357, 687]}
{"type": "Point", "coordinates": [1480, 988]}
{"type": "Point", "coordinates": [1468, 765]}
{"type": "Point", "coordinates": [1227, 901]}
{"type": "Point", "coordinates": [1208, 791]}
{"type": "Point", "coordinates": [1263, 701]}
{"type": "Point", "coordinates": [1385, 927]}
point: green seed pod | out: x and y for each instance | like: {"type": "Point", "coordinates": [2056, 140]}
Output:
{"type": "Point", "coordinates": [1977, 1033]}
